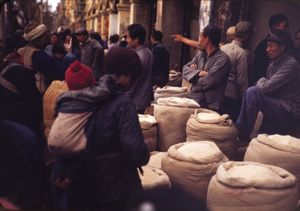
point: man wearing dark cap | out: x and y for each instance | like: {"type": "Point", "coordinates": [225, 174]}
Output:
{"type": "Point", "coordinates": [208, 71]}
{"type": "Point", "coordinates": [277, 95]}
{"type": "Point", "coordinates": [106, 177]}
{"type": "Point", "coordinates": [261, 59]}
{"type": "Point", "coordinates": [238, 76]}
{"type": "Point", "coordinates": [91, 52]}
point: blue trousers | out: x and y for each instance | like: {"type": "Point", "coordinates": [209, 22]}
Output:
{"type": "Point", "coordinates": [275, 118]}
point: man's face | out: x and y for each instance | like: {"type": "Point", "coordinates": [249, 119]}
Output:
{"type": "Point", "coordinates": [298, 39]}
{"type": "Point", "coordinates": [53, 39]}
{"type": "Point", "coordinates": [284, 26]}
{"type": "Point", "coordinates": [274, 50]}
{"type": "Point", "coordinates": [131, 43]}
{"type": "Point", "coordinates": [203, 42]}
{"type": "Point", "coordinates": [68, 38]}
{"type": "Point", "coordinates": [81, 37]}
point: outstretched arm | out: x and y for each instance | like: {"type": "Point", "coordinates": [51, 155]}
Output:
{"type": "Point", "coordinates": [180, 38]}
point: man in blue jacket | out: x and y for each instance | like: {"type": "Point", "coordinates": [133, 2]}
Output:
{"type": "Point", "coordinates": [277, 95]}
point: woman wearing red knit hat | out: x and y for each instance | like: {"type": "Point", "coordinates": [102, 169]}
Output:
{"type": "Point", "coordinates": [104, 173]}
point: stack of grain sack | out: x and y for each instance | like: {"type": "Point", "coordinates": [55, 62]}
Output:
{"type": "Point", "coordinates": [149, 129]}
{"type": "Point", "coordinates": [251, 186]}
{"type": "Point", "coordinates": [171, 115]}
{"type": "Point", "coordinates": [171, 91]}
{"type": "Point", "coordinates": [207, 125]}
{"type": "Point", "coordinates": [191, 165]}
{"type": "Point", "coordinates": [277, 150]}
{"type": "Point", "coordinates": [49, 101]}
{"type": "Point", "coordinates": [175, 78]}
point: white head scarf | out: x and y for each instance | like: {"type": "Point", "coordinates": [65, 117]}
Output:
{"type": "Point", "coordinates": [35, 33]}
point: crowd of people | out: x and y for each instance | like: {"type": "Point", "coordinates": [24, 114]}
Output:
{"type": "Point", "coordinates": [108, 86]}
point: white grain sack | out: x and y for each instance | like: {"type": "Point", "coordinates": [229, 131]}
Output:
{"type": "Point", "coordinates": [191, 165]}
{"type": "Point", "coordinates": [155, 159]}
{"type": "Point", "coordinates": [175, 78]}
{"type": "Point", "coordinates": [278, 150]}
{"type": "Point", "coordinates": [251, 186]}
{"type": "Point", "coordinates": [171, 91]}
{"type": "Point", "coordinates": [210, 126]}
{"type": "Point", "coordinates": [171, 115]}
{"type": "Point", "coordinates": [154, 178]}
{"type": "Point", "coordinates": [149, 130]}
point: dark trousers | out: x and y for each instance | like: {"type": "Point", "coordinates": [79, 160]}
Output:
{"type": "Point", "coordinates": [232, 107]}
{"type": "Point", "coordinates": [276, 119]}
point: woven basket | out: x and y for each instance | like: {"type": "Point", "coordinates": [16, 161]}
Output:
{"type": "Point", "coordinates": [49, 101]}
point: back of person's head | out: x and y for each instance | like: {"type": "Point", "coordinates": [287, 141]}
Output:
{"type": "Point", "coordinates": [137, 31]}
{"type": "Point", "coordinates": [61, 38]}
{"type": "Point", "coordinates": [79, 76]}
{"type": "Point", "coordinates": [114, 38]}
{"type": "Point", "coordinates": [276, 19]}
{"type": "Point", "coordinates": [67, 31]}
{"type": "Point", "coordinates": [213, 33]}
{"type": "Point", "coordinates": [230, 33]}
{"type": "Point", "coordinates": [157, 35]}
{"type": "Point", "coordinates": [243, 29]}
{"type": "Point", "coordinates": [59, 49]}
{"type": "Point", "coordinates": [82, 31]}
{"type": "Point", "coordinates": [95, 35]}
{"type": "Point", "coordinates": [160, 81]}
{"type": "Point", "coordinates": [281, 37]}
{"type": "Point", "coordinates": [121, 60]}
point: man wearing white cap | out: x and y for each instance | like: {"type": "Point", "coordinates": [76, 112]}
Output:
{"type": "Point", "coordinates": [34, 55]}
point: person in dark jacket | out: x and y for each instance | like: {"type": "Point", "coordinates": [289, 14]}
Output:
{"type": "Point", "coordinates": [161, 58]}
{"type": "Point", "coordinates": [107, 177]}
{"type": "Point", "coordinates": [21, 101]}
{"type": "Point", "coordinates": [277, 95]}
{"type": "Point", "coordinates": [24, 180]}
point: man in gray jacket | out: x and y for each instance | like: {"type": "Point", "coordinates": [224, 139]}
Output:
{"type": "Point", "coordinates": [238, 76]}
{"type": "Point", "coordinates": [277, 95]}
{"type": "Point", "coordinates": [91, 53]}
{"type": "Point", "coordinates": [140, 93]}
{"type": "Point", "coordinates": [208, 71]}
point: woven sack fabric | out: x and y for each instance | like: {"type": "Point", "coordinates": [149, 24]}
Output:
{"type": "Point", "coordinates": [209, 125]}
{"type": "Point", "coordinates": [49, 101]}
{"type": "Point", "coordinates": [251, 186]}
{"type": "Point", "coordinates": [154, 178]}
{"type": "Point", "coordinates": [277, 150]}
{"type": "Point", "coordinates": [191, 165]}
{"type": "Point", "coordinates": [149, 130]}
{"type": "Point", "coordinates": [171, 91]}
{"type": "Point", "coordinates": [155, 159]}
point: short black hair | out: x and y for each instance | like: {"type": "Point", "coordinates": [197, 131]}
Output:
{"type": "Point", "coordinates": [59, 49]}
{"type": "Point", "coordinates": [213, 33]}
{"type": "Point", "coordinates": [114, 38]}
{"type": "Point", "coordinates": [157, 35]}
{"type": "Point", "coordinates": [276, 19]}
{"type": "Point", "coordinates": [137, 31]}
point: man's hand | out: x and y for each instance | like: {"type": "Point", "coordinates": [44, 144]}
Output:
{"type": "Point", "coordinates": [177, 37]}
{"type": "Point", "coordinates": [194, 66]}
{"type": "Point", "coordinates": [68, 47]}
{"type": "Point", "coordinates": [202, 73]}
